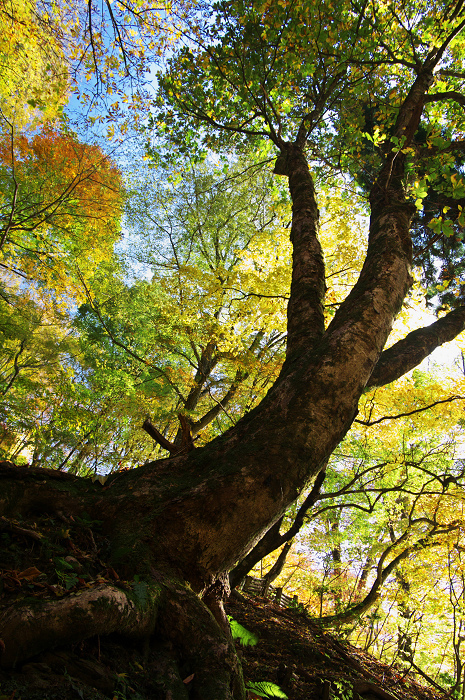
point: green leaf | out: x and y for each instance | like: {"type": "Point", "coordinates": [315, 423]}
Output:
{"type": "Point", "coordinates": [266, 689]}
{"type": "Point", "coordinates": [140, 589]}
{"type": "Point", "coordinates": [61, 563]}
{"type": "Point", "coordinates": [245, 637]}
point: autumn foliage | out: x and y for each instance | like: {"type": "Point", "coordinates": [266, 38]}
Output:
{"type": "Point", "coordinates": [61, 207]}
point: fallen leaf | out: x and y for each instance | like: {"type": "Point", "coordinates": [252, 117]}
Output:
{"type": "Point", "coordinates": [29, 573]}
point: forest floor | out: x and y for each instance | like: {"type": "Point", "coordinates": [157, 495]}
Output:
{"type": "Point", "coordinates": [56, 558]}
{"type": "Point", "coordinates": [308, 663]}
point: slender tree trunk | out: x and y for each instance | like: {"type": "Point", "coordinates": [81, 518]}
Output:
{"type": "Point", "coordinates": [273, 539]}
{"type": "Point", "coordinates": [278, 566]}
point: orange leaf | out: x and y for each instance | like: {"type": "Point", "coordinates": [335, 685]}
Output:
{"type": "Point", "coordinates": [30, 573]}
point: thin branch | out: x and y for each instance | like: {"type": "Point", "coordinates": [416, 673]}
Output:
{"type": "Point", "coordinates": [15, 191]}
{"type": "Point", "coordinates": [410, 413]}
{"type": "Point", "coordinates": [118, 36]}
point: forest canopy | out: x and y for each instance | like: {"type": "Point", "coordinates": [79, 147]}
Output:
{"type": "Point", "coordinates": [231, 235]}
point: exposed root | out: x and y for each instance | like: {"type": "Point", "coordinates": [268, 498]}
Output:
{"type": "Point", "coordinates": [207, 652]}
{"type": "Point", "coordinates": [190, 647]}
{"type": "Point", "coordinates": [27, 628]}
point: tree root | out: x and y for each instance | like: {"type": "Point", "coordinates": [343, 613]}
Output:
{"type": "Point", "coordinates": [190, 647]}
{"type": "Point", "coordinates": [7, 525]}
{"type": "Point", "coordinates": [26, 628]}
{"type": "Point", "coordinates": [206, 650]}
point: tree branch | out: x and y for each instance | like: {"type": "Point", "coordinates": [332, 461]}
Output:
{"type": "Point", "coordinates": [411, 350]}
{"type": "Point", "coordinates": [449, 95]}
{"type": "Point", "coordinates": [305, 310]}
{"type": "Point", "coordinates": [409, 413]}
{"type": "Point", "coordinates": [155, 434]}
{"type": "Point", "coordinates": [15, 191]}
{"type": "Point", "coordinates": [372, 596]}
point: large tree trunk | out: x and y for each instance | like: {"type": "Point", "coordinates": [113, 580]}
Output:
{"type": "Point", "coordinates": [182, 523]}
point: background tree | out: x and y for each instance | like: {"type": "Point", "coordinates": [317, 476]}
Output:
{"type": "Point", "coordinates": [60, 210]}
{"type": "Point", "coordinates": [34, 74]}
{"type": "Point", "coordinates": [60, 205]}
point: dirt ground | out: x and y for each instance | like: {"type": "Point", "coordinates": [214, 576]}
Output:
{"type": "Point", "coordinates": [307, 663]}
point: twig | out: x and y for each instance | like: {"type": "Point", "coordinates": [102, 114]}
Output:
{"type": "Point", "coordinates": [6, 525]}
{"type": "Point", "coordinates": [410, 413]}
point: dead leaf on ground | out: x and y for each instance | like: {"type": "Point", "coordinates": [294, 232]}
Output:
{"type": "Point", "coordinates": [29, 574]}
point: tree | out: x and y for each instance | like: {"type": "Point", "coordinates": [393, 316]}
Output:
{"type": "Point", "coordinates": [60, 205]}
{"type": "Point", "coordinates": [205, 336]}
{"type": "Point", "coordinates": [60, 209]}
{"type": "Point", "coordinates": [59, 409]}
{"type": "Point", "coordinates": [34, 75]}
{"type": "Point", "coordinates": [291, 76]}
{"type": "Point", "coordinates": [60, 198]}
{"type": "Point", "coordinates": [59, 218]}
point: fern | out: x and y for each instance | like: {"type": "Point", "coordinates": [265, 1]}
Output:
{"type": "Point", "coordinates": [245, 637]}
{"type": "Point", "coordinates": [266, 689]}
